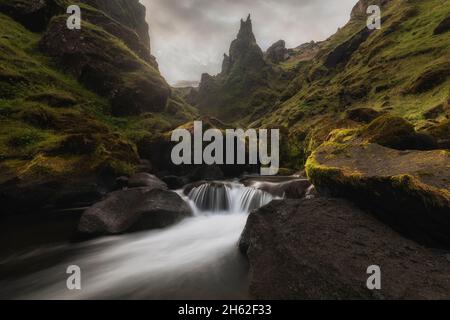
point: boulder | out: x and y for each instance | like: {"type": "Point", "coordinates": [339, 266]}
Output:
{"type": "Point", "coordinates": [132, 210]}
{"type": "Point", "coordinates": [146, 180]}
{"type": "Point", "coordinates": [409, 190]}
{"type": "Point", "coordinates": [388, 131]}
{"type": "Point", "coordinates": [322, 248]}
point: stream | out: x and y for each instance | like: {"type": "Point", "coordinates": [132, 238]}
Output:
{"type": "Point", "coordinates": [196, 259]}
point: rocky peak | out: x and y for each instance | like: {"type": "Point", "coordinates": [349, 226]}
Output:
{"type": "Point", "coordinates": [243, 50]}
{"type": "Point", "coordinates": [246, 30]}
{"type": "Point", "coordinates": [277, 52]}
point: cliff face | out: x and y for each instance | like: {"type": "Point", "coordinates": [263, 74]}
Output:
{"type": "Point", "coordinates": [76, 104]}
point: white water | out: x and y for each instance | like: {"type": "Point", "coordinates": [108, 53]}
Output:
{"type": "Point", "coordinates": [196, 259]}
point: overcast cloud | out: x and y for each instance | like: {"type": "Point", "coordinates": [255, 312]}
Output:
{"type": "Point", "coordinates": [189, 37]}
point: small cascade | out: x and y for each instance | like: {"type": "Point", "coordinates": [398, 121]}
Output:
{"type": "Point", "coordinates": [211, 197]}
{"type": "Point", "coordinates": [228, 197]}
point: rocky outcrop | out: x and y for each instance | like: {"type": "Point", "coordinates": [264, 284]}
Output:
{"type": "Point", "coordinates": [33, 14]}
{"type": "Point", "coordinates": [388, 131]}
{"type": "Point", "coordinates": [341, 55]}
{"type": "Point", "coordinates": [132, 210]}
{"type": "Point", "coordinates": [409, 190]}
{"type": "Point", "coordinates": [245, 82]}
{"type": "Point", "coordinates": [322, 248]}
{"type": "Point", "coordinates": [99, 62]}
{"type": "Point", "coordinates": [360, 9]}
{"type": "Point", "coordinates": [443, 26]}
{"type": "Point", "coordinates": [277, 52]}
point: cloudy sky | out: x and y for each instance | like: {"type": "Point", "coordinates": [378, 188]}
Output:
{"type": "Point", "coordinates": [189, 37]}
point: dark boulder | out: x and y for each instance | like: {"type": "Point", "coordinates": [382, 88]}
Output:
{"type": "Point", "coordinates": [409, 190]}
{"type": "Point", "coordinates": [146, 180]}
{"type": "Point", "coordinates": [132, 210]}
{"type": "Point", "coordinates": [322, 248]}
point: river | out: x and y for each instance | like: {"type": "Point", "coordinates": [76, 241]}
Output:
{"type": "Point", "coordinates": [196, 259]}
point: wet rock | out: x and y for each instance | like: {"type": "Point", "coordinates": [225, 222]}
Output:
{"type": "Point", "coordinates": [295, 189]}
{"type": "Point", "coordinates": [146, 180]}
{"type": "Point", "coordinates": [174, 182]}
{"type": "Point", "coordinates": [408, 189]}
{"type": "Point", "coordinates": [132, 210]}
{"type": "Point", "coordinates": [321, 249]}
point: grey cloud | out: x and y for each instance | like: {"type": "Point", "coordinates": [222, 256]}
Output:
{"type": "Point", "coordinates": [189, 37]}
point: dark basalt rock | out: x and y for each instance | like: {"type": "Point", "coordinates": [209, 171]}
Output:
{"type": "Point", "coordinates": [321, 249]}
{"type": "Point", "coordinates": [146, 180]}
{"type": "Point", "coordinates": [277, 52]}
{"type": "Point", "coordinates": [341, 55]}
{"type": "Point", "coordinates": [133, 210]}
{"type": "Point", "coordinates": [409, 190]}
{"type": "Point", "coordinates": [443, 27]}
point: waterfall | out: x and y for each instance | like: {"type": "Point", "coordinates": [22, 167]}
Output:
{"type": "Point", "coordinates": [229, 197]}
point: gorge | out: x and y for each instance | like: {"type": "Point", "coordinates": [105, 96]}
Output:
{"type": "Point", "coordinates": [87, 177]}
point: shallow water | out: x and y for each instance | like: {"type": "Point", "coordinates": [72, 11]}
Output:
{"type": "Point", "coordinates": [195, 259]}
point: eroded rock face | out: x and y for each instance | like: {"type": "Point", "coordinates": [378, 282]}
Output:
{"type": "Point", "coordinates": [321, 249]}
{"type": "Point", "coordinates": [33, 14]}
{"type": "Point", "coordinates": [103, 66]}
{"type": "Point", "coordinates": [277, 52]}
{"type": "Point", "coordinates": [134, 209]}
{"type": "Point", "coordinates": [409, 190]}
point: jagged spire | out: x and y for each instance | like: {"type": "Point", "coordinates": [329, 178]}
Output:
{"type": "Point", "coordinates": [246, 30]}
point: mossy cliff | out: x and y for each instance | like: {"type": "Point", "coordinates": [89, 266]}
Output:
{"type": "Point", "coordinates": [75, 104]}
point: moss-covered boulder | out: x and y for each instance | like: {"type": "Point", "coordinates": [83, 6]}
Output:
{"type": "Point", "coordinates": [410, 190]}
{"type": "Point", "coordinates": [388, 131]}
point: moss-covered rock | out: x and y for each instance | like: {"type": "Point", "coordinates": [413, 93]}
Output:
{"type": "Point", "coordinates": [410, 190]}
{"type": "Point", "coordinates": [388, 131]}
{"type": "Point", "coordinates": [105, 65]}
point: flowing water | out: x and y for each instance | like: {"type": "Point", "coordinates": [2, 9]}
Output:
{"type": "Point", "coordinates": [195, 259]}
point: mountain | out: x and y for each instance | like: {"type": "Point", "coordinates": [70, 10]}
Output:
{"type": "Point", "coordinates": [246, 85]}
{"type": "Point", "coordinates": [77, 106]}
